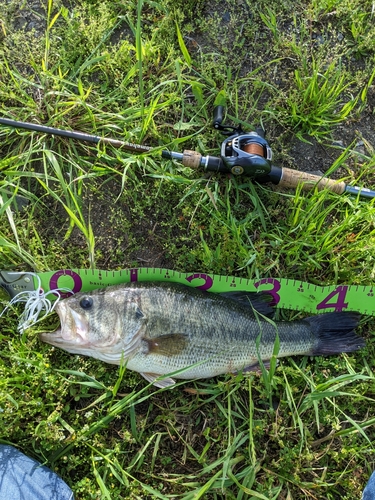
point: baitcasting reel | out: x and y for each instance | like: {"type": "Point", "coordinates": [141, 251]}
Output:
{"type": "Point", "coordinates": [243, 153]}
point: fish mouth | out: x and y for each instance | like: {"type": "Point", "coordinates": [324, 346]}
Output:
{"type": "Point", "coordinates": [73, 329]}
{"type": "Point", "coordinates": [53, 338]}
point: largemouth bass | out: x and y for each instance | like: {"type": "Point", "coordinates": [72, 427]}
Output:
{"type": "Point", "coordinates": [158, 328]}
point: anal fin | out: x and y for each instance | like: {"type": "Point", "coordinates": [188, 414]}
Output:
{"type": "Point", "coordinates": [162, 383]}
{"type": "Point", "coordinates": [256, 366]}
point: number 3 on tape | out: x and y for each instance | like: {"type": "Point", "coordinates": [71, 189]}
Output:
{"type": "Point", "coordinates": [276, 287]}
{"type": "Point", "coordinates": [339, 304]}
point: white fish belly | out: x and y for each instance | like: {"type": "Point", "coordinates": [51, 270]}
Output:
{"type": "Point", "coordinates": [192, 364]}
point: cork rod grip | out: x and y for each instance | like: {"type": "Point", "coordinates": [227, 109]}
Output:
{"type": "Point", "coordinates": [191, 159]}
{"type": "Point", "coordinates": [292, 178]}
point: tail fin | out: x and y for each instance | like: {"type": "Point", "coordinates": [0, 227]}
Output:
{"type": "Point", "coordinates": [335, 333]}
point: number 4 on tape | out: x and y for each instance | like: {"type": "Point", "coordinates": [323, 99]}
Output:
{"type": "Point", "coordinates": [339, 295]}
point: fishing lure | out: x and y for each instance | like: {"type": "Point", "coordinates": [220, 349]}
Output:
{"type": "Point", "coordinates": [36, 302]}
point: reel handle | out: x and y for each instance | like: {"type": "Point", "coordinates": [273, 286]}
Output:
{"type": "Point", "coordinates": [218, 116]}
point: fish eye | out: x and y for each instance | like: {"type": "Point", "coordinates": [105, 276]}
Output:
{"type": "Point", "coordinates": [86, 303]}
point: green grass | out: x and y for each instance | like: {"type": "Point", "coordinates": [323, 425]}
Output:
{"type": "Point", "coordinates": [151, 72]}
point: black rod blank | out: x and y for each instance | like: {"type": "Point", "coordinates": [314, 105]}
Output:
{"type": "Point", "coordinates": [80, 136]}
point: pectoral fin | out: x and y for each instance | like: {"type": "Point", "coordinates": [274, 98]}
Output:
{"type": "Point", "coordinates": [165, 382]}
{"type": "Point", "coordinates": [170, 344]}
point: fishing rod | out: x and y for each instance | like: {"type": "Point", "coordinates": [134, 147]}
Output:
{"type": "Point", "coordinates": [242, 153]}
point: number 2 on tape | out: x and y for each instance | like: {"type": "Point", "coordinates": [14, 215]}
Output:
{"type": "Point", "coordinates": [339, 304]}
{"type": "Point", "coordinates": [208, 281]}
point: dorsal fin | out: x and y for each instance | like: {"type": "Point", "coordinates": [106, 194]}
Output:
{"type": "Point", "coordinates": [260, 301]}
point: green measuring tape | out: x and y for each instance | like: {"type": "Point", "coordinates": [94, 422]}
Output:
{"type": "Point", "coordinates": [287, 294]}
